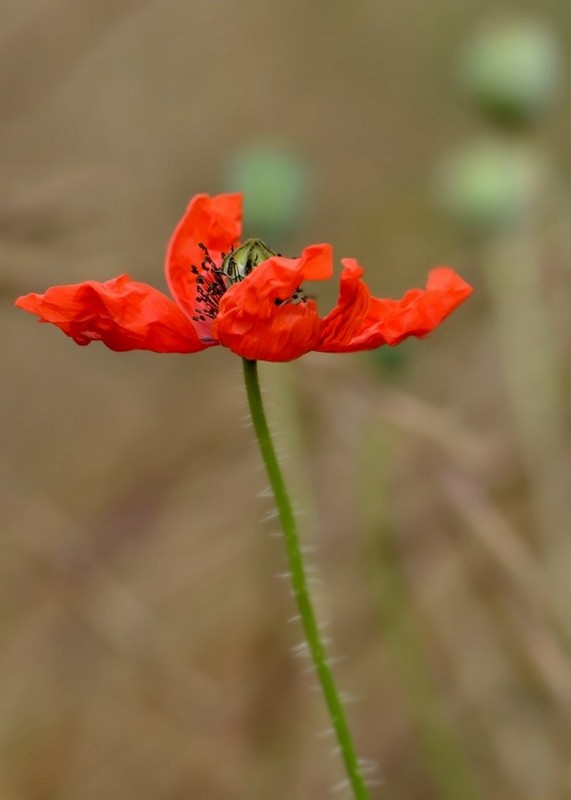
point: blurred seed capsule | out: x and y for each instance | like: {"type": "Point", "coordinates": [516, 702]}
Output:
{"type": "Point", "coordinates": [274, 180]}
{"type": "Point", "coordinates": [487, 186]}
{"type": "Point", "coordinates": [512, 71]}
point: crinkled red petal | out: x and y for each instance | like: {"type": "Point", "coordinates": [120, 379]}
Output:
{"type": "Point", "coordinates": [121, 313]}
{"type": "Point", "coordinates": [345, 321]}
{"type": "Point", "coordinates": [215, 222]}
{"type": "Point", "coordinates": [257, 320]}
{"type": "Point", "coordinates": [390, 321]}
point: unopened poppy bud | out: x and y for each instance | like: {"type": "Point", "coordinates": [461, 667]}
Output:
{"type": "Point", "coordinates": [512, 72]}
{"type": "Point", "coordinates": [275, 181]}
{"type": "Point", "coordinates": [487, 185]}
{"type": "Point", "coordinates": [240, 262]}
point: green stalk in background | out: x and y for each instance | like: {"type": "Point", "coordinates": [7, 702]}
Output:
{"type": "Point", "coordinates": [499, 190]}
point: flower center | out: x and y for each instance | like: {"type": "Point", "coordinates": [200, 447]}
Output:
{"type": "Point", "coordinates": [213, 281]}
{"type": "Point", "coordinates": [240, 262]}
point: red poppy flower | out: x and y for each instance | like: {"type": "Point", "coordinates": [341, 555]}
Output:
{"type": "Point", "coordinates": [244, 297]}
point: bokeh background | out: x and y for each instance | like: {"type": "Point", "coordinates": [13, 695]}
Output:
{"type": "Point", "coordinates": [145, 646]}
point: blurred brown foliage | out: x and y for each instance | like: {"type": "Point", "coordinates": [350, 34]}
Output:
{"type": "Point", "coordinates": [145, 646]}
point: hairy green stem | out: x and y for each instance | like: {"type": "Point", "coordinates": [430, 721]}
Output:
{"type": "Point", "coordinates": [300, 586]}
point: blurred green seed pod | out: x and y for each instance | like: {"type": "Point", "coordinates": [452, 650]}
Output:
{"type": "Point", "coordinates": [275, 181]}
{"type": "Point", "coordinates": [488, 185]}
{"type": "Point", "coordinates": [512, 71]}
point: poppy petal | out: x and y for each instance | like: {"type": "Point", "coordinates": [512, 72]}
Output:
{"type": "Point", "coordinates": [121, 313]}
{"type": "Point", "coordinates": [216, 223]}
{"type": "Point", "coordinates": [344, 322]}
{"type": "Point", "coordinates": [257, 318]}
{"type": "Point", "coordinates": [417, 313]}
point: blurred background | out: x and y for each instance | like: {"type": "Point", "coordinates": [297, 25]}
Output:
{"type": "Point", "coordinates": [145, 650]}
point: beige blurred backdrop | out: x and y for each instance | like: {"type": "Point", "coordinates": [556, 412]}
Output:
{"type": "Point", "coordinates": [145, 648]}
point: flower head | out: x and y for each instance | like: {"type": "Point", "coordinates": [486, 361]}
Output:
{"type": "Point", "coordinates": [244, 297]}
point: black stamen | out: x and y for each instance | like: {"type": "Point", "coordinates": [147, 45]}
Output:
{"type": "Point", "coordinates": [209, 287]}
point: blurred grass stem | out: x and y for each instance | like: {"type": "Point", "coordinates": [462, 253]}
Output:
{"type": "Point", "coordinates": [532, 365]}
{"type": "Point", "coordinates": [300, 584]}
{"type": "Point", "coordinates": [441, 747]}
